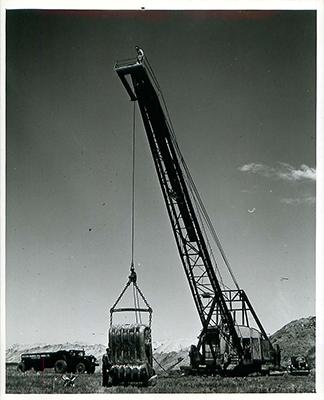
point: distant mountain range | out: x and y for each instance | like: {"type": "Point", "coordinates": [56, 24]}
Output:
{"type": "Point", "coordinates": [297, 337]}
{"type": "Point", "coordinates": [14, 352]}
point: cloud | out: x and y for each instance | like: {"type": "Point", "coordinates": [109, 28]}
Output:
{"type": "Point", "coordinates": [245, 191]}
{"type": "Point", "coordinates": [260, 169]}
{"type": "Point", "coordinates": [297, 201]}
{"type": "Point", "coordinates": [281, 171]}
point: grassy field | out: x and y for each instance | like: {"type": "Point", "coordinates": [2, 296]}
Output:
{"type": "Point", "coordinates": [49, 382]}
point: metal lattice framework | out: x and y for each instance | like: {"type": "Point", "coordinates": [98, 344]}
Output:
{"type": "Point", "coordinates": [216, 307]}
{"type": "Point", "coordinates": [191, 244]}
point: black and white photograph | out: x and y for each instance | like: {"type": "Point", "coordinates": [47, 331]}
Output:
{"type": "Point", "coordinates": [160, 200]}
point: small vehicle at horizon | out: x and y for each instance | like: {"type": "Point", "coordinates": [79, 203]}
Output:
{"type": "Point", "coordinates": [298, 366]}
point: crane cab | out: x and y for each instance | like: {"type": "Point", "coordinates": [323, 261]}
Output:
{"type": "Point", "coordinates": [218, 355]}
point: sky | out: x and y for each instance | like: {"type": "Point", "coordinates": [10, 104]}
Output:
{"type": "Point", "coordinates": [240, 89]}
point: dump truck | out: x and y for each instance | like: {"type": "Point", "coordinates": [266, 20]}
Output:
{"type": "Point", "coordinates": [62, 361]}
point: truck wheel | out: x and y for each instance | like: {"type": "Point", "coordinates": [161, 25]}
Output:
{"type": "Point", "coordinates": [21, 367]}
{"type": "Point", "coordinates": [91, 370]}
{"type": "Point", "coordinates": [80, 368]}
{"type": "Point", "coordinates": [60, 366]}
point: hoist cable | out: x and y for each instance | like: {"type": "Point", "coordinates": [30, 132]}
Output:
{"type": "Point", "coordinates": [191, 182]}
{"type": "Point", "coordinates": [213, 232]}
{"type": "Point", "coordinates": [200, 217]}
{"type": "Point", "coordinates": [210, 225]}
{"type": "Point", "coordinates": [135, 293]}
{"type": "Point", "coordinates": [133, 188]}
{"type": "Point", "coordinates": [197, 200]}
{"type": "Point", "coordinates": [132, 277]}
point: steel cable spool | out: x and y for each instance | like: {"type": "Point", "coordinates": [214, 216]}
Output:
{"type": "Point", "coordinates": [121, 373]}
{"type": "Point", "coordinates": [135, 374]}
{"type": "Point", "coordinates": [128, 374]}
